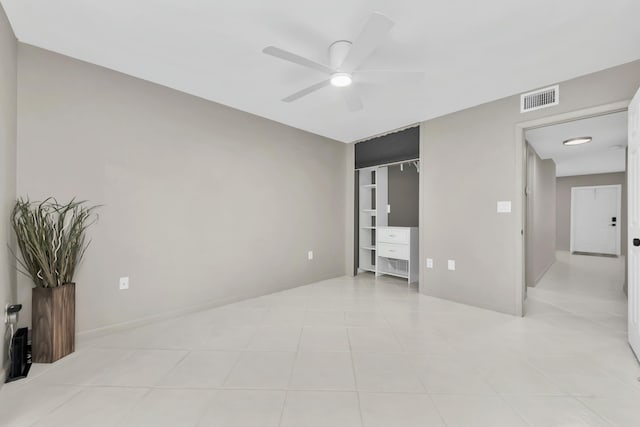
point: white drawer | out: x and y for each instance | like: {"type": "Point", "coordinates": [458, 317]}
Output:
{"type": "Point", "coordinates": [393, 235]}
{"type": "Point", "coordinates": [391, 250]}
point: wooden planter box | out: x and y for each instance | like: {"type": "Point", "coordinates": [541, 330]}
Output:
{"type": "Point", "coordinates": [53, 323]}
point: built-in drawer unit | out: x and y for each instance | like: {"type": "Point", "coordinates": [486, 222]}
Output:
{"type": "Point", "coordinates": [397, 252]}
{"type": "Point", "coordinates": [399, 235]}
{"type": "Point", "coordinates": [393, 250]}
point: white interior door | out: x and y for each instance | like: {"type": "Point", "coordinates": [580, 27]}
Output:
{"type": "Point", "coordinates": [633, 252]}
{"type": "Point", "coordinates": [595, 219]}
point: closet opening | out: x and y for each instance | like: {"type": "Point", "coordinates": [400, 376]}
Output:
{"type": "Point", "coordinates": [387, 205]}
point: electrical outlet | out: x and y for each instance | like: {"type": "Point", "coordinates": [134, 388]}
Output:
{"type": "Point", "coordinates": [504, 206]}
{"type": "Point", "coordinates": [451, 264]}
{"type": "Point", "coordinates": [429, 263]}
{"type": "Point", "coordinates": [310, 255]}
{"type": "Point", "coordinates": [124, 283]}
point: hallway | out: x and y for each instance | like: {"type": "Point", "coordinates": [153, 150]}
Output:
{"type": "Point", "coordinates": [582, 285]}
{"type": "Point", "coordinates": [582, 296]}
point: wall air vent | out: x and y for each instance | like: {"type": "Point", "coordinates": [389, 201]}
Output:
{"type": "Point", "coordinates": [541, 98]}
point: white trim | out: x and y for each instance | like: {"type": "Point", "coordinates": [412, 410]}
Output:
{"type": "Point", "coordinates": [571, 221]}
{"type": "Point", "coordinates": [618, 216]}
{"type": "Point", "coordinates": [84, 336]}
{"type": "Point", "coordinates": [519, 202]}
{"type": "Point", "coordinates": [421, 209]}
{"type": "Point", "coordinates": [546, 269]}
{"type": "Point", "coordinates": [586, 113]}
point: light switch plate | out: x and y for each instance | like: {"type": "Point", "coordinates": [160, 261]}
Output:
{"type": "Point", "coordinates": [429, 263]}
{"type": "Point", "coordinates": [124, 283]}
{"type": "Point", "coordinates": [310, 255]}
{"type": "Point", "coordinates": [451, 264]}
{"type": "Point", "coordinates": [504, 206]}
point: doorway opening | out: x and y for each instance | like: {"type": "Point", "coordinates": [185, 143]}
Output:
{"type": "Point", "coordinates": [575, 224]}
{"type": "Point", "coordinates": [387, 206]}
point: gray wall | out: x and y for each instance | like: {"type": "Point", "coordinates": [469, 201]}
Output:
{"type": "Point", "coordinates": [468, 163]}
{"type": "Point", "coordinates": [563, 217]}
{"type": "Point", "coordinates": [8, 121]}
{"type": "Point", "coordinates": [540, 227]}
{"type": "Point", "coordinates": [403, 187]}
{"type": "Point", "coordinates": [203, 204]}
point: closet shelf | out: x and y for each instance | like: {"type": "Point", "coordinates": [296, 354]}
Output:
{"type": "Point", "coordinates": [402, 275]}
{"type": "Point", "coordinates": [371, 211]}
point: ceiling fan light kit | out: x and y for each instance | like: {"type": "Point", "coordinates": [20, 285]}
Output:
{"type": "Point", "coordinates": [345, 58]}
{"type": "Point", "coordinates": [341, 79]}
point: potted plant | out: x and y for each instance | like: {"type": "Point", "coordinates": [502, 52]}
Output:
{"type": "Point", "coordinates": [51, 239]}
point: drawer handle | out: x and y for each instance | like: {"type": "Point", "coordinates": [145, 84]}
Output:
{"type": "Point", "coordinates": [392, 250]}
{"type": "Point", "coordinates": [392, 235]}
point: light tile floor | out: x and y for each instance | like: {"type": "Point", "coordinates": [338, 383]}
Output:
{"type": "Point", "coordinates": [357, 352]}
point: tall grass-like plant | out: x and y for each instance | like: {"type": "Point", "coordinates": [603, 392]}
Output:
{"type": "Point", "coordinates": [51, 238]}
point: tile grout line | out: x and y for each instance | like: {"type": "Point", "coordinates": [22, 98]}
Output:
{"type": "Point", "coordinates": [235, 365]}
{"type": "Point", "coordinates": [241, 353]}
{"type": "Point", "coordinates": [355, 378]}
{"type": "Point", "coordinates": [286, 394]}
{"type": "Point", "coordinates": [128, 412]}
{"type": "Point", "coordinates": [171, 369]}
{"type": "Point", "coordinates": [593, 411]}
{"type": "Point", "coordinates": [515, 411]}
{"type": "Point", "coordinates": [55, 408]}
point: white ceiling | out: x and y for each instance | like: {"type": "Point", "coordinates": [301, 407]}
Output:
{"type": "Point", "coordinates": [605, 153]}
{"type": "Point", "coordinates": [473, 52]}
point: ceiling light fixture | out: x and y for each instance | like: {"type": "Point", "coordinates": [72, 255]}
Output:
{"type": "Point", "coordinates": [341, 79]}
{"type": "Point", "coordinates": [578, 141]}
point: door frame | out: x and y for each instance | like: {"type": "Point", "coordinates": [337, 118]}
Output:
{"type": "Point", "coordinates": [618, 213]}
{"type": "Point", "coordinates": [520, 181]}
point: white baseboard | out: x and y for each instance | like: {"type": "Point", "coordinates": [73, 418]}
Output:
{"type": "Point", "coordinates": [541, 275]}
{"type": "Point", "coordinates": [82, 337]}
{"type": "Point", "coordinates": [104, 330]}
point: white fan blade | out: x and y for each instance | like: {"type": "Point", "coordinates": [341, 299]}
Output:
{"type": "Point", "coordinates": [296, 59]}
{"type": "Point", "coordinates": [351, 97]}
{"type": "Point", "coordinates": [372, 35]}
{"type": "Point", "coordinates": [307, 91]}
{"type": "Point", "coordinates": [388, 76]}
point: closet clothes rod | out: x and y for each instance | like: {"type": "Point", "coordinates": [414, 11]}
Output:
{"type": "Point", "coordinates": [390, 164]}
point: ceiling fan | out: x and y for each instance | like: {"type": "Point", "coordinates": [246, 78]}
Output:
{"type": "Point", "coordinates": [345, 58]}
